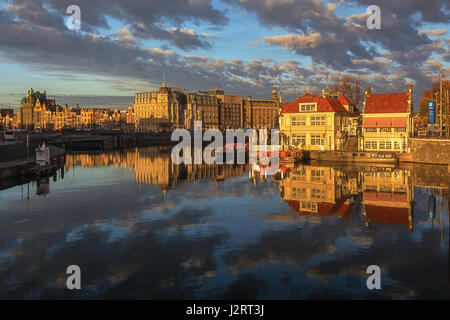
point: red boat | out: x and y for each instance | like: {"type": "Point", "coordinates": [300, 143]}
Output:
{"type": "Point", "coordinates": [291, 155]}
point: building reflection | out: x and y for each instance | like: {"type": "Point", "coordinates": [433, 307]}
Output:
{"type": "Point", "coordinates": [153, 166]}
{"type": "Point", "coordinates": [388, 197]}
{"type": "Point", "coordinates": [318, 190]}
{"type": "Point", "coordinates": [380, 195]}
{"type": "Point", "coordinates": [386, 194]}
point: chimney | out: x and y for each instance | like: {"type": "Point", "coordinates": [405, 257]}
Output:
{"type": "Point", "coordinates": [366, 96]}
{"type": "Point", "coordinates": [409, 93]}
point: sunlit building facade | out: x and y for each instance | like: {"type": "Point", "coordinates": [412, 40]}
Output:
{"type": "Point", "coordinates": [387, 121]}
{"type": "Point", "coordinates": [318, 122]}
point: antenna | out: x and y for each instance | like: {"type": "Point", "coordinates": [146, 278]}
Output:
{"type": "Point", "coordinates": [328, 74]}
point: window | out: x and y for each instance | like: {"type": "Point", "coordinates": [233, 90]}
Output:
{"type": "Point", "coordinates": [316, 175]}
{"type": "Point", "coordinates": [298, 121]}
{"type": "Point", "coordinates": [396, 145]}
{"type": "Point", "coordinates": [309, 206]}
{"type": "Point", "coordinates": [307, 107]}
{"type": "Point", "coordinates": [298, 139]}
{"type": "Point", "coordinates": [317, 140]}
{"type": "Point", "coordinates": [318, 121]}
{"type": "Point", "coordinates": [382, 145]}
{"type": "Point", "coordinates": [371, 188]}
{"type": "Point", "coordinates": [388, 145]}
{"type": "Point", "coordinates": [318, 194]}
{"type": "Point", "coordinates": [400, 189]}
{"type": "Point", "coordinates": [299, 193]}
{"type": "Point", "coordinates": [399, 129]}
{"type": "Point", "coordinates": [385, 129]}
{"type": "Point", "coordinates": [371, 129]}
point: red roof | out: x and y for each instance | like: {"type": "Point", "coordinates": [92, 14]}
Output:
{"type": "Point", "coordinates": [387, 215]}
{"type": "Point", "coordinates": [324, 104]}
{"type": "Point", "coordinates": [385, 196]}
{"type": "Point", "coordinates": [344, 100]}
{"type": "Point", "coordinates": [323, 209]}
{"type": "Point", "coordinates": [387, 103]}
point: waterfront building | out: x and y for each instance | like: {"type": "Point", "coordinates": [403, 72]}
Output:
{"type": "Point", "coordinates": [87, 118]}
{"type": "Point", "coordinates": [204, 108]}
{"type": "Point", "coordinates": [261, 113]}
{"type": "Point", "coordinates": [131, 120]}
{"type": "Point", "coordinates": [319, 122]}
{"type": "Point", "coordinates": [8, 118]}
{"type": "Point", "coordinates": [231, 109]}
{"type": "Point", "coordinates": [161, 109]}
{"type": "Point", "coordinates": [27, 108]}
{"type": "Point", "coordinates": [387, 121]}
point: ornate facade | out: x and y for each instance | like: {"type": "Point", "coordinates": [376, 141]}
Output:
{"type": "Point", "coordinates": [163, 108]}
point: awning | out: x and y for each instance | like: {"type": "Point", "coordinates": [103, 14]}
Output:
{"type": "Point", "coordinates": [370, 123]}
{"type": "Point", "coordinates": [384, 122]}
{"type": "Point", "coordinates": [399, 122]}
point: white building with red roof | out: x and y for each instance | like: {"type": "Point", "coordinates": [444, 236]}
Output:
{"type": "Point", "coordinates": [387, 121]}
{"type": "Point", "coordinates": [318, 122]}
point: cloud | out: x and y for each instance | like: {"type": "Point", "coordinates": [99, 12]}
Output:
{"type": "Point", "coordinates": [144, 20]}
{"type": "Point", "coordinates": [312, 28]}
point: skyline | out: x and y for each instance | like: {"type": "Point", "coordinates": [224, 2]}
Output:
{"type": "Point", "coordinates": [242, 46]}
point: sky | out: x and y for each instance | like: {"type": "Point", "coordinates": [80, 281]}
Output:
{"type": "Point", "coordinates": [242, 46]}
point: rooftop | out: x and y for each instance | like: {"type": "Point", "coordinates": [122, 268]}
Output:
{"type": "Point", "coordinates": [387, 103]}
{"type": "Point", "coordinates": [324, 104]}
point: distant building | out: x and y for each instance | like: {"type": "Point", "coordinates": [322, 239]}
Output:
{"type": "Point", "coordinates": [163, 108]}
{"type": "Point", "coordinates": [262, 114]}
{"type": "Point", "coordinates": [387, 121]}
{"type": "Point", "coordinates": [169, 108]}
{"type": "Point", "coordinates": [319, 122]}
{"type": "Point", "coordinates": [204, 108]}
{"type": "Point", "coordinates": [28, 117]}
{"type": "Point", "coordinates": [231, 110]}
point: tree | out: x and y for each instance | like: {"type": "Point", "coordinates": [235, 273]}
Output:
{"type": "Point", "coordinates": [350, 86]}
{"type": "Point", "coordinates": [430, 95]}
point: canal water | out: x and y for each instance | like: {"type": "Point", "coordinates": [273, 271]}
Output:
{"type": "Point", "coordinates": [140, 227]}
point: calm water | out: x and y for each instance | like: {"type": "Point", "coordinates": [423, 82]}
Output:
{"type": "Point", "coordinates": [141, 227]}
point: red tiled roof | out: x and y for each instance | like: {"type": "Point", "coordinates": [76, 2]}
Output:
{"type": "Point", "coordinates": [385, 196]}
{"type": "Point", "coordinates": [344, 100]}
{"type": "Point", "coordinates": [323, 209]}
{"type": "Point", "coordinates": [388, 215]}
{"type": "Point", "coordinates": [387, 103]}
{"type": "Point", "coordinates": [323, 104]}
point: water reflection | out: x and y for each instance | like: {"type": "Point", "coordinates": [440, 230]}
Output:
{"type": "Point", "coordinates": [141, 227]}
{"type": "Point", "coordinates": [387, 194]}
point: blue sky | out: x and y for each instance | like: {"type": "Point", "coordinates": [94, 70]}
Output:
{"type": "Point", "coordinates": [243, 46]}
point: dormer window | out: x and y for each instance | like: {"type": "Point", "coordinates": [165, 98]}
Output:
{"type": "Point", "coordinates": [307, 107]}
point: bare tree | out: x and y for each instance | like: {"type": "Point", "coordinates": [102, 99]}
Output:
{"type": "Point", "coordinates": [350, 86]}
